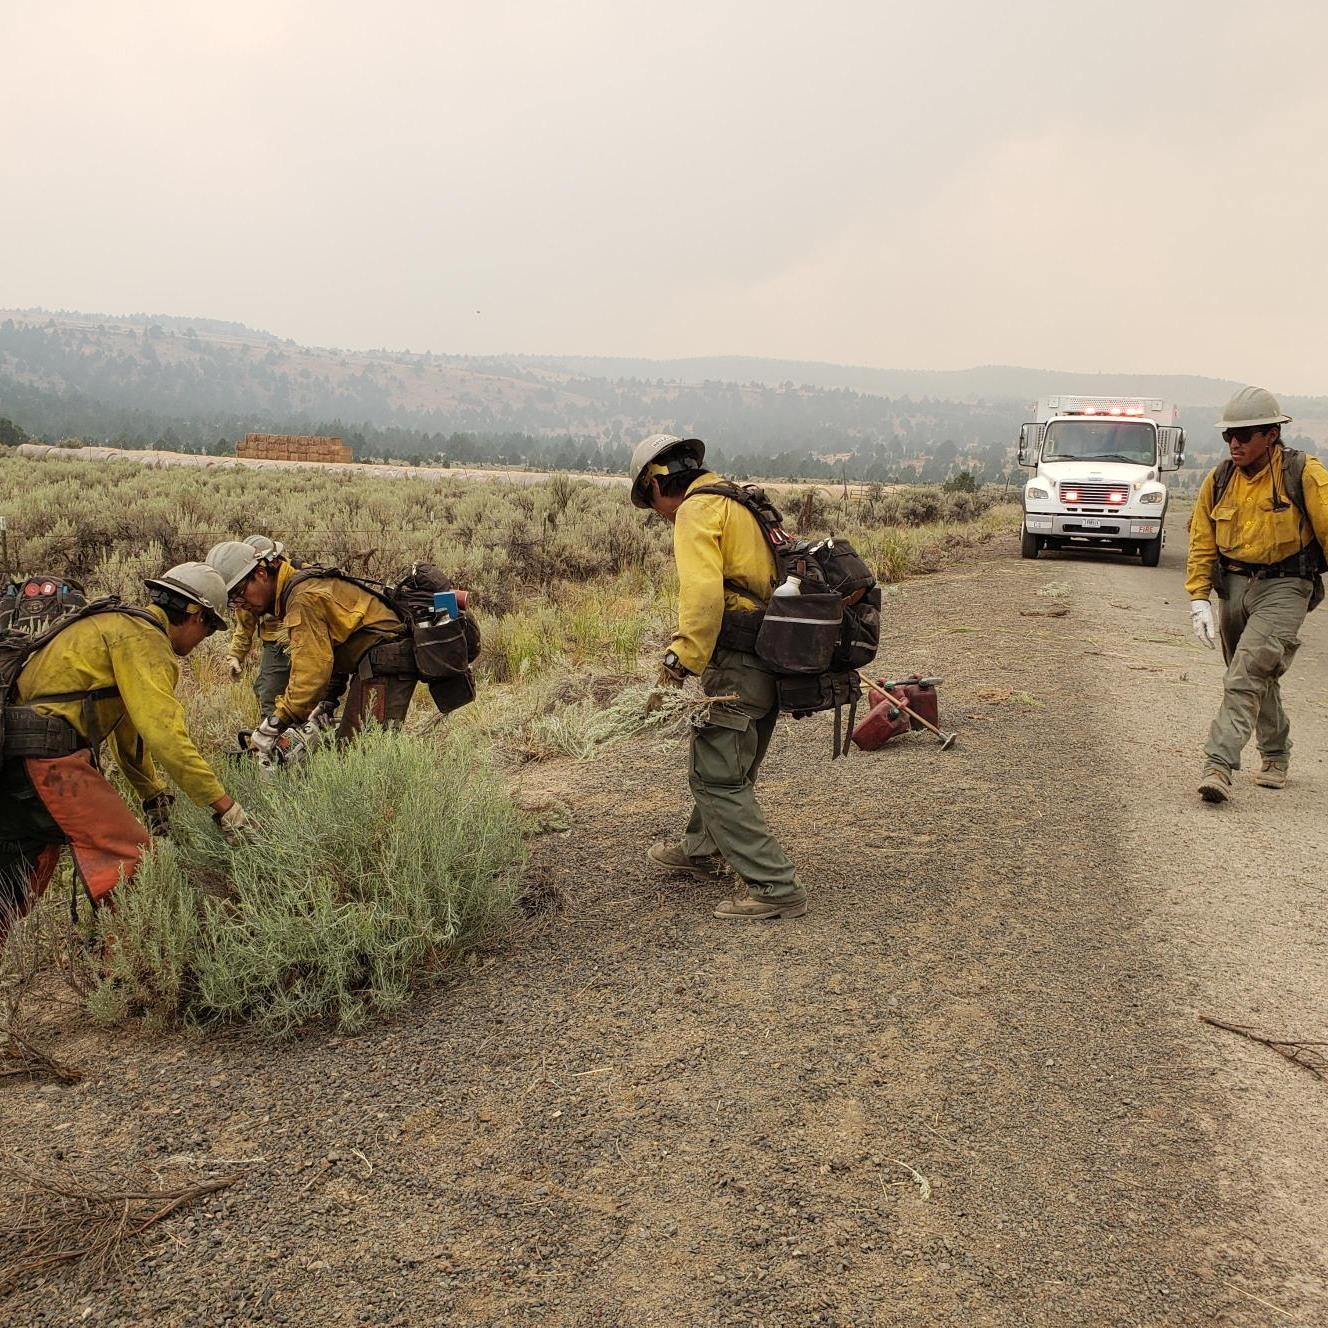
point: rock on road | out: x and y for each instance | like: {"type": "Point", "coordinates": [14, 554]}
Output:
{"type": "Point", "coordinates": [969, 1088]}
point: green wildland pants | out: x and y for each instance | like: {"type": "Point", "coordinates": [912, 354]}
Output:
{"type": "Point", "coordinates": [1258, 621]}
{"type": "Point", "coordinates": [273, 675]}
{"type": "Point", "coordinates": [726, 755]}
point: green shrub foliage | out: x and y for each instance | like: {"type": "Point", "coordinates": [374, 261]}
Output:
{"type": "Point", "coordinates": [374, 866]}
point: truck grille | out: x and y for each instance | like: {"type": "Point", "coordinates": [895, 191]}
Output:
{"type": "Point", "coordinates": [1094, 493]}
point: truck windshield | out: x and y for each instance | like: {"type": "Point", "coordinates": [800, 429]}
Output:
{"type": "Point", "coordinates": [1132, 441]}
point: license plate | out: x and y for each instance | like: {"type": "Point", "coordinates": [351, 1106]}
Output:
{"type": "Point", "coordinates": [1089, 523]}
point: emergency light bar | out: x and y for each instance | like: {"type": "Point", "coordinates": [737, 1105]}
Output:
{"type": "Point", "coordinates": [1103, 405]}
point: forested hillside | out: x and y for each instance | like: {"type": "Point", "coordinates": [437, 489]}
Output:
{"type": "Point", "coordinates": [199, 384]}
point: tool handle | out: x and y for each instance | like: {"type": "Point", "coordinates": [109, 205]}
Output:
{"type": "Point", "coordinates": [910, 682]}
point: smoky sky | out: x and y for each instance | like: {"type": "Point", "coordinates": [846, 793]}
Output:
{"type": "Point", "coordinates": [1092, 186]}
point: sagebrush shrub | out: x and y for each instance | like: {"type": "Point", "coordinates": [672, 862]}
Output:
{"type": "Point", "coordinates": [374, 866]}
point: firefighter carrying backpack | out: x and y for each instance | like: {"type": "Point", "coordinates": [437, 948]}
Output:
{"type": "Point", "coordinates": [816, 640]}
{"type": "Point", "coordinates": [442, 647]}
{"type": "Point", "coordinates": [1308, 562]}
{"type": "Point", "coordinates": [25, 732]}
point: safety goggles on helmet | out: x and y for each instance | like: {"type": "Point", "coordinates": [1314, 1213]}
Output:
{"type": "Point", "coordinates": [673, 465]}
{"type": "Point", "coordinates": [168, 596]}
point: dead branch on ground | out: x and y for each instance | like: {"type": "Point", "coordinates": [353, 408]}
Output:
{"type": "Point", "coordinates": [20, 1056]}
{"type": "Point", "coordinates": [22, 960]}
{"type": "Point", "coordinates": [1299, 1051]}
{"type": "Point", "coordinates": [53, 1219]}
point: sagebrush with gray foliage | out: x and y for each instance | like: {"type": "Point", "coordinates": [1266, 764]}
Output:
{"type": "Point", "coordinates": [374, 866]}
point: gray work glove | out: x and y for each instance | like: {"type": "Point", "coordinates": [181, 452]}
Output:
{"type": "Point", "coordinates": [235, 826]}
{"type": "Point", "coordinates": [324, 716]}
{"type": "Point", "coordinates": [263, 739]}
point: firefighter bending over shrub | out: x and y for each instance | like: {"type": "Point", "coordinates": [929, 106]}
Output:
{"type": "Point", "coordinates": [104, 674]}
{"type": "Point", "coordinates": [344, 630]}
{"type": "Point", "coordinates": [273, 655]}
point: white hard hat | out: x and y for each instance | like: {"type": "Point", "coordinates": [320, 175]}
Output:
{"type": "Point", "coordinates": [234, 559]}
{"type": "Point", "coordinates": [1250, 407]}
{"type": "Point", "coordinates": [199, 584]}
{"type": "Point", "coordinates": [264, 546]}
{"type": "Point", "coordinates": [649, 450]}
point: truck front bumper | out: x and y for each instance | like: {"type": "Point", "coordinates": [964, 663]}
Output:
{"type": "Point", "coordinates": [1119, 526]}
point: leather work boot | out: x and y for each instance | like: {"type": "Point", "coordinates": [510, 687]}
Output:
{"type": "Point", "coordinates": [1215, 785]}
{"type": "Point", "coordinates": [754, 908]}
{"type": "Point", "coordinates": [1271, 774]}
{"type": "Point", "coordinates": [672, 858]}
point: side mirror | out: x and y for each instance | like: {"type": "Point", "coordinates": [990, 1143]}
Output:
{"type": "Point", "coordinates": [1170, 447]}
{"type": "Point", "coordinates": [1030, 444]}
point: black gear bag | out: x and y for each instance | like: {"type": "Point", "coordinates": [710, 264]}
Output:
{"type": "Point", "coordinates": [815, 641]}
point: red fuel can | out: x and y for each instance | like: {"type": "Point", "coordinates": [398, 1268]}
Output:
{"type": "Point", "coordinates": [884, 721]}
{"type": "Point", "coordinates": [919, 695]}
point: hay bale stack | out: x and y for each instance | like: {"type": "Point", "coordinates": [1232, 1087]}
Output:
{"type": "Point", "coordinates": [293, 447]}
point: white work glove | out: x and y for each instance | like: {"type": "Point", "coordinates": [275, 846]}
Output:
{"type": "Point", "coordinates": [264, 738]}
{"type": "Point", "coordinates": [236, 666]}
{"type": "Point", "coordinates": [1201, 619]}
{"type": "Point", "coordinates": [235, 826]}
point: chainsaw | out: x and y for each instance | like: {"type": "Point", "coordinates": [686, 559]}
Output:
{"type": "Point", "coordinates": [291, 749]}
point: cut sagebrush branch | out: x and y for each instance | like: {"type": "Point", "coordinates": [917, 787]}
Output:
{"type": "Point", "coordinates": [1299, 1051]}
{"type": "Point", "coordinates": [20, 1056]}
{"type": "Point", "coordinates": [54, 1219]}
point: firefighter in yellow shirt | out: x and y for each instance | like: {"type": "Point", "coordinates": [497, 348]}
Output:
{"type": "Point", "coordinates": [726, 573]}
{"type": "Point", "coordinates": [338, 630]}
{"type": "Point", "coordinates": [274, 655]}
{"type": "Point", "coordinates": [108, 676]}
{"type": "Point", "coordinates": [1258, 537]}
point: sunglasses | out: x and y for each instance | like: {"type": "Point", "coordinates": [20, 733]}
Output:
{"type": "Point", "coordinates": [1243, 435]}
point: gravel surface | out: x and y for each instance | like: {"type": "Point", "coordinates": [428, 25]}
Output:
{"type": "Point", "coordinates": [969, 1088]}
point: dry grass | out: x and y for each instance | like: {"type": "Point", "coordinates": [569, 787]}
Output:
{"type": "Point", "coordinates": [52, 1219]}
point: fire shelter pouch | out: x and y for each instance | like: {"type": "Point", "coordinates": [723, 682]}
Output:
{"type": "Point", "coordinates": [440, 649]}
{"type": "Point", "coordinates": [799, 633]}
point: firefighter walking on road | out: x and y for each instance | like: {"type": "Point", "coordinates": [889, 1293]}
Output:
{"type": "Point", "coordinates": [105, 675]}
{"type": "Point", "coordinates": [1258, 537]}
{"type": "Point", "coordinates": [726, 574]}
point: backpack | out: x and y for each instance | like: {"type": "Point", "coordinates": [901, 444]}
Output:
{"type": "Point", "coordinates": [23, 731]}
{"type": "Point", "coordinates": [443, 648]}
{"type": "Point", "coordinates": [1313, 563]}
{"type": "Point", "coordinates": [815, 641]}
{"type": "Point", "coordinates": [33, 605]}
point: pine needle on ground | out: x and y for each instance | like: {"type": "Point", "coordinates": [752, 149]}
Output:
{"type": "Point", "coordinates": [53, 1219]}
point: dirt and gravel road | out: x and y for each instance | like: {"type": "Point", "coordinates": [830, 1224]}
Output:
{"type": "Point", "coordinates": [969, 1088]}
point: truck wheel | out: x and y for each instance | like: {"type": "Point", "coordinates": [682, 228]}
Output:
{"type": "Point", "coordinates": [1150, 551]}
{"type": "Point", "coordinates": [1028, 544]}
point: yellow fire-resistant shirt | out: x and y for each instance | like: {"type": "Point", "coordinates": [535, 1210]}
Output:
{"type": "Point", "coordinates": [1245, 528]}
{"type": "Point", "coordinates": [331, 624]}
{"type": "Point", "coordinates": [145, 721]}
{"type": "Point", "coordinates": [715, 540]}
{"type": "Point", "coordinates": [266, 628]}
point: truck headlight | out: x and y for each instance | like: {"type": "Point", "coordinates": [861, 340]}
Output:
{"type": "Point", "coordinates": [1034, 491]}
{"type": "Point", "coordinates": [1152, 497]}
